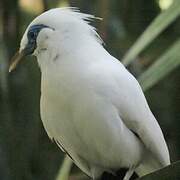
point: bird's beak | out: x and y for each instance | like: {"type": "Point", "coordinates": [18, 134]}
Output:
{"type": "Point", "coordinates": [16, 59]}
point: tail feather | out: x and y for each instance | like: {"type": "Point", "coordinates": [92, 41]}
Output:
{"type": "Point", "coordinates": [149, 165]}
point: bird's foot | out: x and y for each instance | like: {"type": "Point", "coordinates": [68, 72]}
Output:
{"type": "Point", "coordinates": [122, 174]}
{"type": "Point", "coordinates": [128, 174]}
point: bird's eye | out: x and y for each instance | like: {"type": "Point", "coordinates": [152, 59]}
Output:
{"type": "Point", "coordinates": [32, 35]}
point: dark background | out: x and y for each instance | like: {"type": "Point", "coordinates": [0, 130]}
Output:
{"type": "Point", "coordinates": [26, 153]}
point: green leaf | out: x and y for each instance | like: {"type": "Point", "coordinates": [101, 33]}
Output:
{"type": "Point", "coordinates": [171, 172]}
{"type": "Point", "coordinates": [65, 169]}
{"type": "Point", "coordinates": [162, 67]}
{"type": "Point", "coordinates": [153, 30]}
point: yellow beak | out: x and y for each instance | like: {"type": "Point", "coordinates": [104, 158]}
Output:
{"type": "Point", "coordinates": [16, 59]}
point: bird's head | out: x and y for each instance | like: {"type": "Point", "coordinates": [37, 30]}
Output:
{"type": "Point", "coordinates": [57, 29]}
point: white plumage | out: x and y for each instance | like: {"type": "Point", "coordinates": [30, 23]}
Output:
{"type": "Point", "coordinates": [90, 103]}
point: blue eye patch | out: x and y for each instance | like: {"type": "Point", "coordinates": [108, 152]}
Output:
{"type": "Point", "coordinates": [34, 31]}
{"type": "Point", "coordinates": [32, 36]}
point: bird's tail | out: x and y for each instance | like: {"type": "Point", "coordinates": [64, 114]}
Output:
{"type": "Point", "coordinates": [148, 165]}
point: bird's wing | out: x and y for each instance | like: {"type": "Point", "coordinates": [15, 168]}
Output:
{"type": "Point", "coordinates": [126, 94]}
{"type": "Point", "coordinates": [138, 117]}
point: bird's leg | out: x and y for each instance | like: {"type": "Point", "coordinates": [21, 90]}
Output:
{"type": "Point", "coordinates": [96, 173]}
{"type": "Point", "coordinates": [128, 174]}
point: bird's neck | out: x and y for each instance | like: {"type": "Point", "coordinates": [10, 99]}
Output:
{"type": "Point", "coordinates": [71, 50]}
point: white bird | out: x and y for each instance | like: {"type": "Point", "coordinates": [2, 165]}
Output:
{"type": "Point", "coordinates": [90, 104]}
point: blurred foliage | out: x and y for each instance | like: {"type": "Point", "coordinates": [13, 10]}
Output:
{"type": "Point", "coordinates": [25, 150]}
{"type": "Point", "coordinates": [156, 27]}
{"type": "Point", "coordinates": [65, 169]}
{"type": "Point", "coordinates": [165, 64]}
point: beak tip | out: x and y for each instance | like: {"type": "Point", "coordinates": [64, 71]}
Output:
{"type": "Point", "coordinates": [10, 70]}
{"type": "Point", "coordinates": [11, 67]}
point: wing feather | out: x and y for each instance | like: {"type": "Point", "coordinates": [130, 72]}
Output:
{"type": "Point", "coordinates": [139, 118]}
